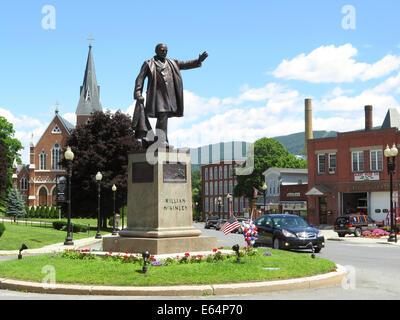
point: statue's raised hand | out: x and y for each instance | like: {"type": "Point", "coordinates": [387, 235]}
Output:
{"type": "Point", "coordinates": [203, 56]}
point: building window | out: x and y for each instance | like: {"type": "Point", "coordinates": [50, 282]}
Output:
{"type": "Point", "coordinates": [205, 173]}
{"type": "Point", "coordinates": [226, 172]}
{"type": "Point", "coordinates": [42, 160]}
{"type": "Point", "coordinates": [230, 171]}
{"type": "Point", "coordinates": [321, 163]}
{"type": "Point", "coordinates": [23, 184]}
{"type": "Point", "coordinates": [207, 204]}
{"type": "Point", "coordinates": [376, 160]}
{"type": "Point", "coordinates": [220, 188]}
{"type": "Point", "coordinates": [236, 205]}
{"type": "Point", "coordinates": [56, 153]}
{"type": "Point", "coordinates": [215, 187]}
{"type": "Point", "coordinates": [332, 162]}
{"type": "Point", "coordinates": [230, 186]}
{"type": "Point", "coordinates": [220, 173]}
{"type": "Point", "coordinates": [211, 188]}
{"type": "Point", "coordinates": [226, 187]}
{"type": "Point", "coordinates": [56, 130]}
{"type": "Point", "coordinates": [206, 188]}
{"type": "Point", "coordinates": [215, 173]}
{"type": "Point", "coordinates": [358, 161]}
{"type": "Point", "coordinates": [211, 173]}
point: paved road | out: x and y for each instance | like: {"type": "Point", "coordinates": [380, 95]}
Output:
{"type": "Point", "coordinates": [373, 274]}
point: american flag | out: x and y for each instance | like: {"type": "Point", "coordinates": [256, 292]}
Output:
{"type": "Point", "coordinates": [230, 225]}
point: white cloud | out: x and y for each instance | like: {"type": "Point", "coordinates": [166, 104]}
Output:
{"type": "Point", "coordinates": [334, 64]}
{"type": "Point", "coordinates": [70, 117]}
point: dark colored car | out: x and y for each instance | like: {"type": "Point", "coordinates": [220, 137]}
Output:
{"type": "Point", "coordinates": [354, 224]}
{"type": "Point", "coordinates": [211, 222]}
{"type": "Point", "coordinates": [287, 231]}
{"type": "Point", "coordinates": [219, 224]}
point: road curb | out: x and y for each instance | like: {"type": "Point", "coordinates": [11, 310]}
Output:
{"type": "Point", "coordinates": [324, 280]}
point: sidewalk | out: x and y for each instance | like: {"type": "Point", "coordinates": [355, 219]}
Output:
{"type": "Point", "coordinates": [333, 236]}
{"type": "Point", "coordinates": [57, 247]}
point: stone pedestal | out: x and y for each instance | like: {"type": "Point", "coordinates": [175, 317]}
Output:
{"type": "Point", "coordinates": [159, 206]}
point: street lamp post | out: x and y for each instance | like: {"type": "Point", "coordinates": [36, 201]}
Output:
{"type": "Point", "coordinates": [114, 189]}
{"type": "Point", "coordinates": [219, 206]}
{"type": "Point", "coordinates": [265, 187]}
{"type": "Point", "coordinates": [99, 176]}
{"type": "Point", "coordinates": [390, 155]}
{"type": "Point", "coordinates": [229, 197]}
{"type": "Point", "coordinates": [69, 156]}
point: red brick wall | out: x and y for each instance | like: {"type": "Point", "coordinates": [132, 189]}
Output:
{"type": "Point", "coordinates": [46, 143]}
{"type": "Point", "coordinates": [343, 179]}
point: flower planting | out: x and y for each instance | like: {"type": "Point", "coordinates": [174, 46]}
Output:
{"type": "Point", "coordinates": [128, 257]}
{"type": "Point", "coordinates": [377, 233]}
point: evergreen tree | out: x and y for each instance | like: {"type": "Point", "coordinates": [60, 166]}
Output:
{"type": "Point", "coordinates": [15, 205]}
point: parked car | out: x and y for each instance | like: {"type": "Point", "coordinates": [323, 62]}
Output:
{"type": "Point", "coordinates": [211, 222]}
{"type": "Point", "coordinates": [288, 231]}
{"type": "Point", "coordinates": [354, 224]}
{"type": "Point", "coordinates": [220, 223]}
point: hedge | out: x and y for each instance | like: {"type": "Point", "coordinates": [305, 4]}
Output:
{"type": "Point", "coordinates": [62, 225]}
{"type": "Point", "coordinates": [2, 229]}
{"type": "Point", "coordinates": [49, 212]}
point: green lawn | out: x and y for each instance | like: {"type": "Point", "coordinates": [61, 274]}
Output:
{"type": "Point", "coordinates": [101, 272]}
{"type": "Point", "coordinates": [34, 236]}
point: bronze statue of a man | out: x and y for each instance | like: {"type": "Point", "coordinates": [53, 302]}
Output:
{"type": "Point", "coordinates": [164, 98]}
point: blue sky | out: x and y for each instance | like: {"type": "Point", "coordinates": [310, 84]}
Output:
{"type": "Point", "coordinates": [265, 58]}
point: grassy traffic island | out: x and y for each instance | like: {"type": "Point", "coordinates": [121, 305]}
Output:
{"type": "Point", "coordinates": [86, 268]}
{"type": "Point", "coordinates": [36, 235]}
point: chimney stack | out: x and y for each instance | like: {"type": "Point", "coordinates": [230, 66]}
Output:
{"type": "Point", "coordinates": [308, 123]}
{"type": "Point", "coordinates": [368, 118]}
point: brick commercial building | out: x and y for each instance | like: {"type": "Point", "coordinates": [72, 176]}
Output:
{"type": "Point", "coordinates": [348, 173]}
{"type": "Point", "coordinates": [36, 181]}
{"type": "Point", "coordinates": [218, 181]}
{"type": "Point", "coordinates": [293, 199]}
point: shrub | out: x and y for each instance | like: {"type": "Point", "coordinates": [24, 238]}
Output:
{"type": "Point", "coordinates": [62, 225]}
{"type": "Point", "coordinates": [2, 229]}
{"type": "Point", "coordinates": [58, 225]}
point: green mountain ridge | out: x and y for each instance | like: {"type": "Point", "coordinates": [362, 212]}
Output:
{"type": "Point", "coordinates": [294, 143]}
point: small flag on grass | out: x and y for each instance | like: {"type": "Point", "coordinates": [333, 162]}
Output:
{"type": "Point", "coordinates": [230, 225]}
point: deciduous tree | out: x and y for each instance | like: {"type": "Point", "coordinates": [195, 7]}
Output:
{"type": "Point", "coordinates": [101, 145]}
{"type": "Point", "coordinates": [268, 153]}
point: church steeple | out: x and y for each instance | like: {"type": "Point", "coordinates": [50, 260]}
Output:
{"type": "Point", "coordinates": [89, 100]}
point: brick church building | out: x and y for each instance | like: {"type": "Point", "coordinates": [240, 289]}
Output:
{"type": "Point", "coordinates": [36, 181]}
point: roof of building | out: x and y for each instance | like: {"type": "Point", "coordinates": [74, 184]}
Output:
{"type": "Point", "coordinates": [89, 100]}
{"type": "Point", "coordinates": [392, 119]}
{"type": "Point", "coordinates": [68, 125]}
{"type": "Point", "coordinates": [285, 170]}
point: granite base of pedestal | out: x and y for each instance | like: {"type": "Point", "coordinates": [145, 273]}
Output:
{"type": "Point", "coordinates": [159, 245]}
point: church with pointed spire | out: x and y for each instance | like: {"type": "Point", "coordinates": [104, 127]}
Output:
{"type": "Point", "coordinates": [36, 181]}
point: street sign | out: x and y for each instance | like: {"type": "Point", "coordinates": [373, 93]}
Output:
{"type": "Point", "coordinates": [61, 188]}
